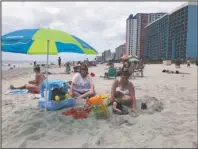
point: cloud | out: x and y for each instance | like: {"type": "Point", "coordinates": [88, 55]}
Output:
{"type": "Point", "coordinates": [101, 24]}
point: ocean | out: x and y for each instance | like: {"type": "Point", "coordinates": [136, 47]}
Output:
{"type": "Point", "coordinates": [6, 65]}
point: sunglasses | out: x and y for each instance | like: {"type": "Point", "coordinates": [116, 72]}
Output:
{"type": "Point", "coordinates": [84, 69]}
{"type": "Point", "coordinates": [125, 76]}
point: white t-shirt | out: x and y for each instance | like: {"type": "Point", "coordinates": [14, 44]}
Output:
{"type": "Point", "coordinates": [81, 85]}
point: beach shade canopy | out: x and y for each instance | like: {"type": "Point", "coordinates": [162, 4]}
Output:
{"type": "Point", "coordinates": [133, 60]}
{"type": "Point", "coordinates": [44, 41]}
{"type": "Point", "coordinates": [126, 57]}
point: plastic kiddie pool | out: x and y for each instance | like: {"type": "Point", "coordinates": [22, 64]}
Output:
{"type": "Point", "coordinates": [53, 105]}
{"type": "Point", "coordinates": [50, 104]}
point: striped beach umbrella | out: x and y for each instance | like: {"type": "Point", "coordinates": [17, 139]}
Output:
{"type": "Point", "coordinates": [44, 41]}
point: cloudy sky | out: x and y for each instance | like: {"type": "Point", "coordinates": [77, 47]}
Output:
{"type": "Point", "coordinates": [101, 24]}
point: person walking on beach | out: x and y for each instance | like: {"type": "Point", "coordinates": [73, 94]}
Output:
{"type": "Point", "coordinates": [59, 62]}
{"type": "Point", "coordinates": [34, 85]}
{"type": "Point", "coordinates": [122, 92]}
{"type": "Point", "coordinates": [34, 63]}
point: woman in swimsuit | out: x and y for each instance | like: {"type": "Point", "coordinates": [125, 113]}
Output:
{"type": "Point", "coordinates": [33, 86]}
{"type": "Point", "coordinates": [122, 92]}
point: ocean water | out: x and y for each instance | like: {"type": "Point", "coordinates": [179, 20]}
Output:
{"type": "Point", "coordinates": [6, 65]}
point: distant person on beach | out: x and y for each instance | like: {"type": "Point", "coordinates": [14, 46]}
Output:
{"type": "Point", "coordinates": [67, 68]}
{"type": "Point", "coordinates": [82, 85]}
{"type": "Point", "coordinates": [34, 63]}
{"type": "Point", "coordinates": [111, 65]}
{"type": "Point", "coordinates": [141, 64]}
{"type": "Point", "coordinates": [59, 62]}
{"type": "Point", "coordinates": [79, 64]}
{"type": "Point", "coordinates": [132, 67]}
{"type": "Point", "coordinates": [33, 86]}
{"type": "Point", "coordinates": [77, 67]}
{"type": "Point", "coordinates": [122, 92]}
{"type": "Point", "coordinates": [188, 63]}
{"type": "Point", "coordinates": [126, 64]}
{"type": "Point", "coordinates": [173, 72]}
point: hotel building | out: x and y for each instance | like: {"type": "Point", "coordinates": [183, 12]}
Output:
{"type": "Point", "coordinates": [174, 35]}
{"type": "Point", "coordinates": [120, 51]}
{"type": "Point", "coordinates": [135, 32]}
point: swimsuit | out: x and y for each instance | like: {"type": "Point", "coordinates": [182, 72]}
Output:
{"type": "Point", "coordinates": [124, 92]}
{"type": "Point", "coordinates": [119, 101]}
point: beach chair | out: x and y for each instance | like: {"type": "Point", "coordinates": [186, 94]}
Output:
{"type": "Point", "coordinates": [67, 69]}
{"type": "Point", "coordinates": [139, 71]}
{"type": "Point", "coordinates": [112, 73]}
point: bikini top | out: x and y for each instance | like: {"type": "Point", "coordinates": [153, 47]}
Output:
{"type": "Point", "coordinates": [124, 92]}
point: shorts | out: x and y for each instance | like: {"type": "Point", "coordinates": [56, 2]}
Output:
{"type": "Point", "coordinates": [121, 108]}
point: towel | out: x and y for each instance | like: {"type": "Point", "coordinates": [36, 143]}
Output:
{"type": "Point", "coordinates": [16, 92]}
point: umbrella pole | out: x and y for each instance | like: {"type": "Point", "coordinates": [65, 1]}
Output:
{"type": "Point", "coordinates": [46, 100]}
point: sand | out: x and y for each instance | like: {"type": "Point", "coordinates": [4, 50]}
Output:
{"type": "Point", "coordinates": [170, 121]}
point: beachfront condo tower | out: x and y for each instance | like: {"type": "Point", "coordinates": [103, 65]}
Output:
{"type": "Point", "coordinates": [174, 36]}
{"type": "Point", "coordinates": [135, 31]}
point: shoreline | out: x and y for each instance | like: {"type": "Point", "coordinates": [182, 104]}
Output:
{"type": "Point", "coordinates": [22, 71]}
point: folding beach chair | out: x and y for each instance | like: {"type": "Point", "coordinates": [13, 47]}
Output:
{"type": "Point", "coordinates": [112, 73]}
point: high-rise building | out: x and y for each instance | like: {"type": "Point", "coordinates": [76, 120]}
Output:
{"type": "Point", "coordinates": [135, 32]}
{"type": "Point", "coordinates": [131, 35]}
{"type": "Point", "coordinates": [156, 38]}
{"type": "Point", "coordinates": [183, 31]}
{"type": "Point", "coordinates": [174, 35]}
{"type": "Point", "coordinates": [99, 58]}
{"type": "Point", "coordinates": [120, 51]}
{"type": "Point", "coordinates": [103, 57]}
{"type": "Point", "coordinates": [107, 55]}
{"type": "Point", "coordinates": [154, 16]}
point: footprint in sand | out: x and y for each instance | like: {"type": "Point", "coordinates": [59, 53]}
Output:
{"type": "Point", "coordinates": [26, 131]}
{"type": "Point", "coordinates": [85, 145]}
{"type": "Point", "coordinates": [194, 145]}
{"type": "Point", "coordinates": [118, 120]}
{"type": "Point", "coordinates": [29, 131]}
{"type": "Point", "coordinates": [37, 115]}
{"type": "Point", "coordinates": [32, 138]}
{"type": "Point", "coordinates": [100, 140]}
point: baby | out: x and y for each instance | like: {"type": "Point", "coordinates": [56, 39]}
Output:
{"type": "Point", "coordinates": [118, 108]}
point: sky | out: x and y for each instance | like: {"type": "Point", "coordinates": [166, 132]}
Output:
{"type": "Point", "coordinates": [100, 24]}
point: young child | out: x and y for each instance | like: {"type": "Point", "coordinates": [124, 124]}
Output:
{"type": "Point", "coordinates": [118, 108]}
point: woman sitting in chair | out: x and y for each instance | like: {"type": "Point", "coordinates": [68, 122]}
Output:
{"type": "Point", "coordinates": [67, 68]}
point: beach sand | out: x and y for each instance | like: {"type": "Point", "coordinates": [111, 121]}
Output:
{"type": "Point", "coordinates": [171, 121]}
